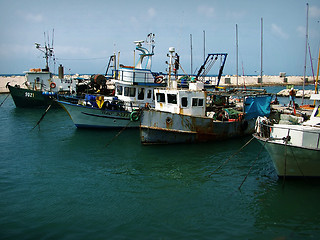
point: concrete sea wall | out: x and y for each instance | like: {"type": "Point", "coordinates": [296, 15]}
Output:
{"type": "Point", "coordinates": [227, 81]}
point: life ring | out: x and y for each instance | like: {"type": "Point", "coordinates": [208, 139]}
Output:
{"type": "Point", "coordinates": [134, 116]}
{"type": "Point", "coordinates": [159, 79]}
{"type": "Point", "coordinates": [53, 85]}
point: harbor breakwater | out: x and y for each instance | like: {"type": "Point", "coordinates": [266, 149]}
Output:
{"type": "Point", "coordinates": [226, 81]}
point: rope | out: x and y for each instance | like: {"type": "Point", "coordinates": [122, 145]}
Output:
{"type": "Point", "coordinates": [4, 100]}
{"type": "Point", "coordinates": [225, 162]}
{"type": "Point", "coordinates": [183, 70]}
{"type": "Point", "coordinates": [42, 117]}
{"type": "Point", "coordinates": [118, 134]}
{"type": "Point", "coordinates": [253, 164]}
{"type": "Point", "coordinates": [285, 163]}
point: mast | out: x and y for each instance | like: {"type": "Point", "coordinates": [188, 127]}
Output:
{"type": "Point", "coordinates": [191, 53]}
{"type": "Point", "coordinates": [316, 84]}
{"type": "Point", "coordinates": [47, 50]}
{"type": "Point", "coordinates": [305, 58]}
{"type": "Point", "coordinates": [237, 56]}
{"type": "Point", "coordinates": [204, 45]}
{"type": "Point", "coordinates": [261, 73]}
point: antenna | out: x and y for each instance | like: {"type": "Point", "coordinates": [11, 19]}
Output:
{"type": "Point", "coordinates": [52, 37]}
{"type": "Point", "coordinates": [47, 50]}
{"type": "Point", "coordinates": [150, 41]}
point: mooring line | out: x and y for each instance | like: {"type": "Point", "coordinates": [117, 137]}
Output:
{"type": "Point", "coordinates": [42, 116]}
{"type": "Point", "coordinates": [4, 100]}
{"type": "Point", "coordinates": [226, 161]}
{"type": "Point", "coordinates": [124, 128]}
{"type": "Point", "coordinates": [253, 164]}
{"type": "Point", "coordinates": [117, 135]}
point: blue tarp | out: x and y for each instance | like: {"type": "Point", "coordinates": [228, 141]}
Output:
{"type": "Point", "coordinates": [257, 106]}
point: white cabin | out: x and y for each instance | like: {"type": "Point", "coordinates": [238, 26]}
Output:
{"type": "Point", "coordinates": [38, 79]}
{"type": "Point", "coordinates": [191, 102]}
{"type": "Point", "coordinates": [42, 80]}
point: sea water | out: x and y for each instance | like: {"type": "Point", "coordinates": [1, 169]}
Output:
{"type": "Point", "coordinates": [60, 182]}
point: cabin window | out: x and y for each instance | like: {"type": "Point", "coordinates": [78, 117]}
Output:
{"type": "Point", "coordinates": [132, 92]}
{"type": "Point", "coordinates": [129, 92]}
{"type": "Point", "coordinates": [160, 97]}
{"type": "Point", "coordinates": [140, 93]}
{"type": "Point", "coordinates": [119, 90]}
{"type": "Point", "coordinates": [149, 93]}
{"type": "Point", "coordinates": [197, 102]}
{"type": "Point", "coordinates": [194, 102]}
{"type": "Point", "coordinates": [184, 102]}
{"type": "Point", "coordinates": [126, 91]}
{"type": "Point", "coordinates": [172, 98]}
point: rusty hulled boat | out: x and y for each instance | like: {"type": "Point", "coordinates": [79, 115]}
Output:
{"type": "Point", "coordinates": [196, 115]}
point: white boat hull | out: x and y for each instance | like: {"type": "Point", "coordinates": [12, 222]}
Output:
{"type": "Point", "coordinates": [292, 161]}
{"type": "Point", "coordinates": [89, 117]}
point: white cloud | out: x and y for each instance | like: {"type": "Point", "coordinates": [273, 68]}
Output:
{"type": "Point", "coordinates": [314, 11]}
{"type": "Point", "coordinates": [206, 11]}
{"type": "Point", "coordinates": [151, 12]}
{"type": "Point", "coordinates": [278, 31]}
{"type": "Point", "coordinates": [301, 31]}
{"type": "Point", "coordinates": [34, 17]}
{"type": "Point", "coordinates": [30, 16]}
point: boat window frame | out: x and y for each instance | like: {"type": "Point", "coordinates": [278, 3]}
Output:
{"type": "Point", "coordinates": [119, 90]}
{"type": "Point", "coordinates": [126, 91]}
{"type": "Point", "coordinates": [132, 92]}
{"type": "Point", "coordinates": [140, 93]}
{"type": "Point", "coordinates": [149, 94]}
{"type": "Point", "coordinates": [200, 102]}
{"type": "Point", "coordinates": [184, 102]}
{"type": "Point", "coordinates": [197, 102]}
{"type": "Point", "coordinates": [160, 97]}
{"type": "Point", "coordinates": [129, 91]}
{"type": "Point", "coordinates": [172, 98]}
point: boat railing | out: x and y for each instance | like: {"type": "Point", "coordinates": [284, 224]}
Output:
{"type": "Point", "coordinates": [310, 138]}
{"type": "Point", "coordinates": [133, 75]}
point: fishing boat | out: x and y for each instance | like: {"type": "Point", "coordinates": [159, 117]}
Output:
{"type": "Point", "coordinates": [196, 115]}
{"type": "Point", "coordinates": [41, 87]}
{"type": "Point", "coordinates": [294, 146]}
{"type": "Point", "coordinates": [134, 87]}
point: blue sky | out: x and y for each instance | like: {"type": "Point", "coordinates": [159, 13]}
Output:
{"type": "Point", "coordinates": [86, 33]}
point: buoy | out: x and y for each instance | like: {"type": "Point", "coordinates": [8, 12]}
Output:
{"type": "Point", "coordinates": [158, 79]}
{"type": "Point", "coordinates": [134, 116]}
{"type": "Point", "coordinates": [53, 85]}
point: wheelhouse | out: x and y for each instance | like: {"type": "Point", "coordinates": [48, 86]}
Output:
{"type": "Point", "coordinates": [185, 102]}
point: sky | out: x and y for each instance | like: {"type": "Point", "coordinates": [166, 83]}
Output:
{"type": "Point", "coordinates": [87, 33]}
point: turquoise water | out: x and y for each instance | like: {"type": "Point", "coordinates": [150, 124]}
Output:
{"type": "Point", "coordinates": [59, 182]}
